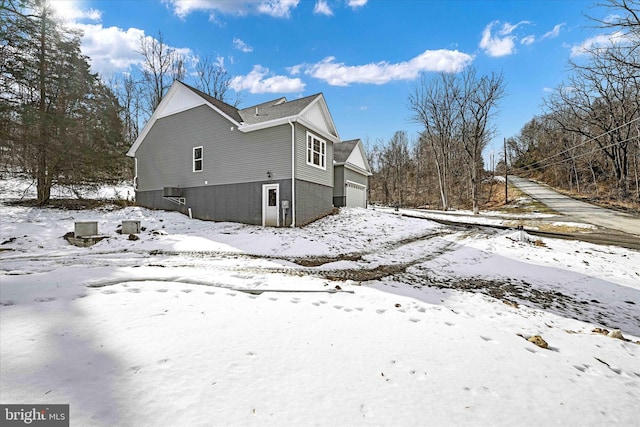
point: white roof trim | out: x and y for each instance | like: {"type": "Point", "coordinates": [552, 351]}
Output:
{"type": "Point", "coordinates": [355, 168]}
{"type": "Point", "coordinates": [285, 120]}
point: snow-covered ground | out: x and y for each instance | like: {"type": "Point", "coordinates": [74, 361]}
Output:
{"type": "Point", "coordinates": [362, 318]}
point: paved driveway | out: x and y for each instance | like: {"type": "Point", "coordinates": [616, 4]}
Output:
{"type": "Point", "coordinates": [579, 211]}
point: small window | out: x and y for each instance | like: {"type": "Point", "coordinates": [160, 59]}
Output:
{"type": "Point", "coordinates": [197, 159]}
{"type": "Point", "coordinates": [316, 151]}
{"type": "Point", "coordinates": [273, 197]}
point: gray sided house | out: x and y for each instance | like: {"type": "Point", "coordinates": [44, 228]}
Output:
{"type": "Point", "coordinates": [351, 174]}
{"type": "Point", "coordinates": [271, 164]}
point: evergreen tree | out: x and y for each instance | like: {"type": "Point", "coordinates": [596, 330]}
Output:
{"type": "Point", "coordinates": [60, 122]}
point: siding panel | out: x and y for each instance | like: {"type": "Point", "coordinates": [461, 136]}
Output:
{"type": "Point", "coordinates": [165, 156]}
{"type": "Point", "coordinates": [307, 172]}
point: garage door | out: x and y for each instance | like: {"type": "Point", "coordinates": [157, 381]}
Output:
{"type": "Point", "coordinates": [356, 195]}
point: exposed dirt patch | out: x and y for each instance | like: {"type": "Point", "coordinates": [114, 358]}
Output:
{"type": "Point", "coordinates": [74, 204]}
{"type": "Point", "coordinates": [318, 261]}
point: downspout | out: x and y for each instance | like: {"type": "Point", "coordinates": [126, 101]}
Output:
{"type": "Point", "coordinates": [135, 176]}
{"type": "Point", "coordinates": [293, 174]}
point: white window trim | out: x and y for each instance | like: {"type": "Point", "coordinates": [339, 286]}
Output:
{"type": "Point", "coordinates": [193, 159]}
{"type": "Point", "coordinates": [323, 157]}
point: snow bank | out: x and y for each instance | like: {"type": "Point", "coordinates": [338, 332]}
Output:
{"type": "Point", "coordinates": [215, 324]}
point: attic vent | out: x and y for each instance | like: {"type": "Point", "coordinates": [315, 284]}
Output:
{"type": "Point", "coordinates": [257, 112]}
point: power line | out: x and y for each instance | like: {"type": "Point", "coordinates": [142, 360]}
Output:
{"type": "Point", "coordinates": [590, 140]}
{"type": "Point", "coordinates": [585, 154]}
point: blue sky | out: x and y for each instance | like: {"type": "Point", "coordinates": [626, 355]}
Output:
{"type": "Point", "coordinates": [365, 56]}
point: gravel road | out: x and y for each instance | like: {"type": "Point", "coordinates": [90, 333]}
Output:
{"type": "Point", "coordinates": [577, 210]}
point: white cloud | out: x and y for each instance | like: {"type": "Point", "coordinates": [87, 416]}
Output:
{"type": "Point", "coordinates": [339, 74]}
{"type": "Point", "coordinates": [241, 46]}
{"type": "Point", "coordinates": [275, 8]}
{"type": "Point", "coordinates": [322, 8]}
{"type": "Point", "coordinates": [354, 4]}
{"type": "Point", "coordinates": [111, 50]}
{"type": "Point", "coordinates": [278, 8]}
{"type": "Point", "coordinates": [258, 82]}
{"type": "Point", "coordinates": [553, 33]}
{"type": "Point", "coordinates": [500, 46]}
{"type": "Point", "coordinates": [508, 28]}
{"type": "Point", "coordinates": [528, 40]}
{"type": "Point", "coordinates": [295, 70]}
{"type": "Point", "coordinates": [599, 41]}
{"type": "Point", "coordinates": [72, 11]}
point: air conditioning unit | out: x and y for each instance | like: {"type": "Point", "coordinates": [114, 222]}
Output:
{"type": "Point", "coordinates": [171, 192]}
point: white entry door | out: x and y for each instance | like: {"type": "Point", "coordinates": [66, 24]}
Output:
{"type": "Point", "coordinates": [270, 203]}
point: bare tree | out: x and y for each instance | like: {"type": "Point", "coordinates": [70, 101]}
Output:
{"type": "Point", "coordinates": [213, 79]}
{"type": "Point", "coordinates": [477, 101]}
{"type": "Point", "coordinates": [624, 22]}
{"type": "Point", "coordinates": [130, 98]}
{"type": "Point", "coordinates": [162, 65]}
{"type": "Point", "coordinates": [601, 102]}
{"type": "Point", "coordinates": [433, 106]}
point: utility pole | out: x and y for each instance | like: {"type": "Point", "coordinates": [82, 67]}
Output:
{"type": "Point", "coordinates": [506, 172]}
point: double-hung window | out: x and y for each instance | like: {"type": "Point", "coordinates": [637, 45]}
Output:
{"type": "Point", "coordinates": [316, 151]}
{"type": "Point", "coordinates": [197, 159]}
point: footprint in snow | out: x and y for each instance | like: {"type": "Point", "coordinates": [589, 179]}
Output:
{"type": "Point", "coordinates": [487, 339]}
{"type": "Point", "coordinates": [161, 290]}
{"type": "Point", "coordinates": [380, 311]}
{"type": "Point", "coordinates": [109, 291]}
{"type": "Point", "coordinates": [134, 290]}
{"type": "Point", "coordinates": [414, 320]}
{"type": "Point", "coordinates": [186, 291]}
{"type": "Point", "coordinates": [206, 292]}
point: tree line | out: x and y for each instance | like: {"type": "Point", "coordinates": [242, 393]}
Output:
{"type": "Point", "coordinates": [60, 123]}
{"type": "Point", "coordinates": [444, 167]}
{"type": "Point", "coordinates": [588, 138]}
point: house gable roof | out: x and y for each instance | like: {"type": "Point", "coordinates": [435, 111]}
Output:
{"type": "Point", "coordinates": [181, 97]}
{"type": "Point", "coordinates": [342, 151]}
{"type": "Point", "coordinates": [351, 155]}
{"type": "Point", "coordinates": [229, 110]}
{"type": "Point", "coordinates": [311, 111]}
